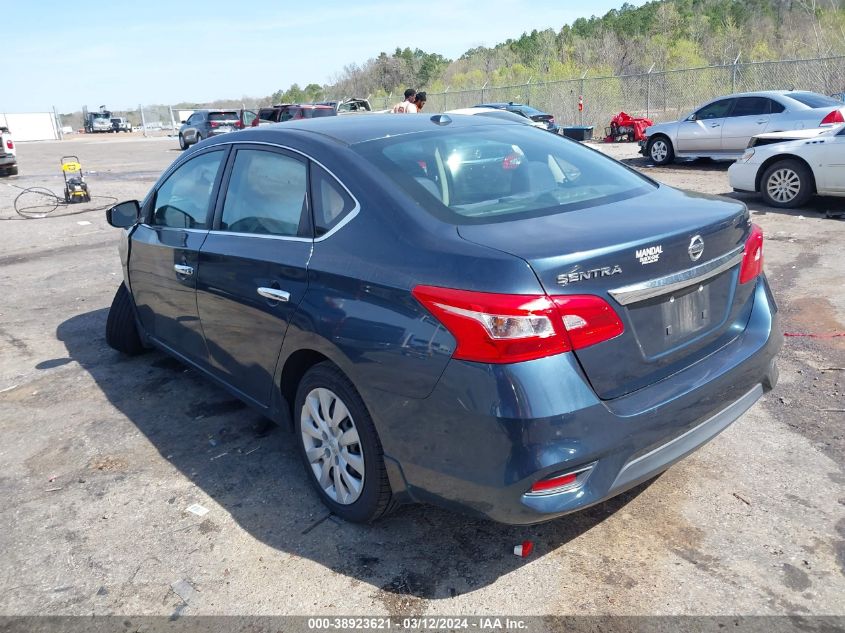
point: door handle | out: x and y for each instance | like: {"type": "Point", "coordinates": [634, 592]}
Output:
{"type": "Point", "coordinates": [714, 125]}
{"type": "Point", "coordinates": [274, 294]}
{"type": "Point", "coordinates": [182, 269]}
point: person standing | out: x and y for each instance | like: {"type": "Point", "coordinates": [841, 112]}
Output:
{"type": "Point", "coordinates": [407, 106]}
{"type": "Point", "coordinates": [419, 101]}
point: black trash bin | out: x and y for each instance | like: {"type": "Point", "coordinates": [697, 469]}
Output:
{"type": "Point", "coordinates": [578, 132]}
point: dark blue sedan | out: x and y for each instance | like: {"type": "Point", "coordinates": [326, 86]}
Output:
{"type": "Point", "coordinates": [462, 311]}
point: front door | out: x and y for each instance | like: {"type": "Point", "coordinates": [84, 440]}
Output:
{"type": "Point", "coordinates": [253, 266]}
{"type": "Point", "coordinates": [164, 263]}
{"type": "Point", "coordinates": [702, 132]}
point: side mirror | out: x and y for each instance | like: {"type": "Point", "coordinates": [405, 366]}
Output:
{"type": "Point", "coordinates": [184, 122]}
{"type": "Point", "coordinates": [691, 117]}
{"type": "Point", "coordinates": [124, 215]}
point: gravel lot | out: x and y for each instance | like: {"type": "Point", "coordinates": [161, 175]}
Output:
{"type": "Point", "coordinates": [103, 455]}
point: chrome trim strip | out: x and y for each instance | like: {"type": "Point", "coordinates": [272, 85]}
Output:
{"type": "Point", "coordinates": [676, 281]}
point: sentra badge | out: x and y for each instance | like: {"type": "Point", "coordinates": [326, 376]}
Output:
{"type": "Point", "coordinates": [565, 279]}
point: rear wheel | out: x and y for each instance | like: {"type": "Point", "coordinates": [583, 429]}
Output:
{"type": "Point", "coordinates": [13, 171]}
{"type": "Point", "coordinates": [121, 331]}
{"type": "Point", "coordinates": [787, 184]}
{"type": "Point", "coordinates": [660, 150]}
{"type": "Point", "coordinates": [340, 447]}
{"type": "Point", "coordinates": [182, 144]}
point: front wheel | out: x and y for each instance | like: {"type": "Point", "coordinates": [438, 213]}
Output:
{"type": "Point", "coordinates": [787, 184]}
{"type": "Point", "coordinates": [182, 144]}
{"type": "Point", "coordinates": [660, 150]}
{"type": "Point", "coordinates": [121, 331]}
{"type": "Point", "coordinates": [340, 447]}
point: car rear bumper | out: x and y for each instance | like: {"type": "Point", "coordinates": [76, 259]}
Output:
{"type": "Point", "coordinates": [8, 160]}
{"type": "Point", "coordinates": [488, 432]}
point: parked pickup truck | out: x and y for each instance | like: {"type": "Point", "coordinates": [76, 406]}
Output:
{"type": "Point", "coordinates": [8, 153]}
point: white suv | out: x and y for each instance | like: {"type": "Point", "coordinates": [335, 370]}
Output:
{"type": "Point", "coordinates": [8, 153]}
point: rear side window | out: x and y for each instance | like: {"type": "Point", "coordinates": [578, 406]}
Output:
{"type": "Point", "coordinates": [331, 202]}
{"type": "Point", "coordinates": [749, 106]}
{"type": "Point", "coordinates": [183, 199]}
{"type": "Point", "coordinates": [223, 116]}
{"type": "Point", "coordinates": [266, 195]}
{"type": "Point", "coordinates": [267, 114]}
{"type": "Point", "coordinates": [715, 110]}
{"type": "Point", "coordinates": [500, 172]}
{"type": "Point", "coordinates": [313, 113]}
{"type": "Point", "coordinates": [813, 100]}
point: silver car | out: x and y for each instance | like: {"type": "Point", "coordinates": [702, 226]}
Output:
{"type": "Point", "coordinates": [721, 128]}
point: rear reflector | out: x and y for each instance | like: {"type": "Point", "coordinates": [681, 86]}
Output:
{"type": "Point", "coordinates": [752, 260]}
{"type": "Point", "coordinates": [504, 328]}
{"type": "Point", "coordinates": [562, 483]}
{"type": "Point", "coordinates": [834, 117]}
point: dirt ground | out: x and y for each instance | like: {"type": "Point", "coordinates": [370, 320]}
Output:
{"type": "Point", "coordinates": [103, 455]}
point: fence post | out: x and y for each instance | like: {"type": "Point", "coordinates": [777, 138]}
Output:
{"type": "Point", "coordinates": [482, 91]}
{"type": "Point", "coordinates": [581, 96]}
{"type": "Point", "coordinates": [648, 93]}
{"type": "Point", "coordinates": [143, 120]}
{"type": "Point", "coordinates": [733, 72]}
{"type": "Point", "coordinates": [58, 121]}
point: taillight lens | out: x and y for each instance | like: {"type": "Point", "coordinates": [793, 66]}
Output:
{"type": "Point", "coordinates": [833, 117]}
{"type": "Point", "coordinates": [752, 260]}
{"type": "Point", "coordinates": [10, 144]}
{"type": "Point", "coordinates": [213, 123]}
{"type": "Point", "coordinates": [504, 328]}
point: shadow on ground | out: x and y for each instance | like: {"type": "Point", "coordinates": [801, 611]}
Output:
{"type": "Point", "coordinates": [253, 471]}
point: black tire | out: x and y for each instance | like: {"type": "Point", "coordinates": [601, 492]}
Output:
{"type": "Point", "coordinates": [660, 157]}
{"type": "Point", "coordinates": [13, 171]}
{"type": "Point", "coordinates": [182, 144]}
{"type": "Point", "coordinates": [376, 497]}
{"type": "Point", "coordinates": [784, 176]}
{"type": "Point", "coordinates": [121, 331]}
{"type": "Point", "coordinates": [199, 138]}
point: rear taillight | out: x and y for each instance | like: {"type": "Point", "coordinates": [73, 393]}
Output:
{"type": "Point", "coordinates": [10, 144]}
{"type": "Point", "coordinates": [752, 260]}
{"type": "Point", "coordinates": [213, 123]}
{"type": "Point", "coordinates": [255, 122]}
{"type": "Point", "coordinates": [239, 125]}
{"type": "Point", "coordinates": [504, 328]}
{"type": "Point", "coordinates": [834, 117]}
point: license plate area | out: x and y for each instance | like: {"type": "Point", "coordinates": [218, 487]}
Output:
{"type": "Point", "coordinates": [672, 321]}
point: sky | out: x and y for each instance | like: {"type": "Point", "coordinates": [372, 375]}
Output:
{"type": "Point", "coordinates": [163, 52]}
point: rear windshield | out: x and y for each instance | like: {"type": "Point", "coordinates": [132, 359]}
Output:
{"type": "Point", "coordinates": [500, 172]}
{"type": "Point", "coordinates": [529, 111]}
{"type": "Point", "coordinates": [506, 115]}
{"type": "Point", "coordinates": [222, 116]}
{"type": "Point", "coordinates": [814, 100]}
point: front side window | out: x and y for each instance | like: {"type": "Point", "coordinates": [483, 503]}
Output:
{"type": "Point", "coordinates": [266, 195]}
{"type": "Point", "coordinates": [716, 110]}
{"type": "Point", "coordinates": [500, 172]}
{"type": "Point", "coordinates": [184, 198]}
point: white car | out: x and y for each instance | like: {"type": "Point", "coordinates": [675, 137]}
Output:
{"type": "Point", "coordinates": [8, 153]}
{"type": "Point", "coordinates": [721, 128]}
{"type": "Point", "coordinates": [786, 168]}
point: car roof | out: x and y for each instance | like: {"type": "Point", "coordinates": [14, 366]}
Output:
{"type": "Point", "coordinates": [352, 130]}
{"type": "Point", "coordinates": [473, 110]}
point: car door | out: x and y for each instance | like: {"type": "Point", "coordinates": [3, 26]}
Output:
{"type": "Point", "coordinates": [253, 266]}
{"type": "Point", "coordinates": [702, 131]}
{"type": "Point", "coordinates": [164, 253]}
{"type": "Point", "coordinates": [750, 116]}
{"type": "Point", "coordinates": [830, 172]}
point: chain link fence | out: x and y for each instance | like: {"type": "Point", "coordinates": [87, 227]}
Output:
{"type": "Point", "coordinates": [660, 96]}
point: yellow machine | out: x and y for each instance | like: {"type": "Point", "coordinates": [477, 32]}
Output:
{"type": "Point", "coordinates": [76, 189]}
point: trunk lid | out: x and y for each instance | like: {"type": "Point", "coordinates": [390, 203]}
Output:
{"type": "Point", "coordinates": [642, 255]}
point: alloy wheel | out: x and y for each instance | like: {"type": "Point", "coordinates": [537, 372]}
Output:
{"type": "Point", "coordinates": [783, 185]}
{"type": "Point", "coordinates": [332, 446]}
{"type": "Point", "coordinates": [659, 151]}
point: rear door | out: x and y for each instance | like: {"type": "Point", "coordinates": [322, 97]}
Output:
{"type": "Point", "coordinates": [750, 116]}
{"type": "Point", "coordinates": [830, 172]}
{"type": "Point", "coordinates": [702, 132]}
{"type": "Point", "coordinates": [163, 266]}
{"type": "Point", "coordinates": [253, 266]}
